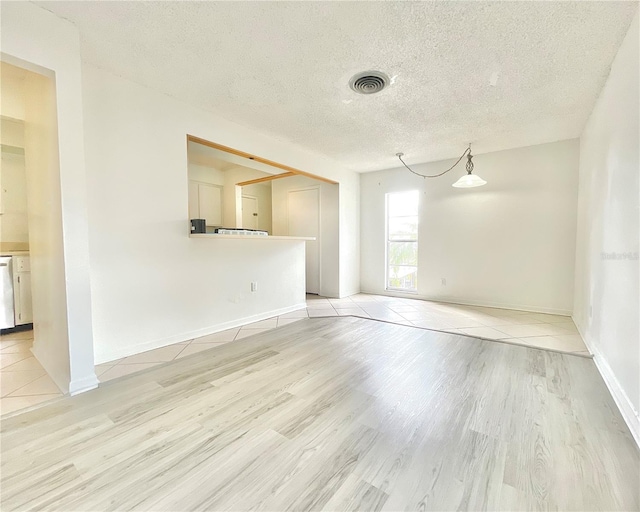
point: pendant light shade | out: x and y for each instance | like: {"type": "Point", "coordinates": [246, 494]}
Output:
{"type": "Point", "coordinates": [469, 181]}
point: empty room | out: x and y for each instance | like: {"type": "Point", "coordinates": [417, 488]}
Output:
{"type": "Point", "coordinates": [318, 255]}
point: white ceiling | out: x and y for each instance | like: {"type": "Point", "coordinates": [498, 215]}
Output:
{"type": "Point", "coordinates": [498, 74]}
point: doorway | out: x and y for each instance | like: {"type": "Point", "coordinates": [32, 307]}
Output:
{"type": "Point", "coordinates": [304, 220]}
{"type": "Point", "coordinates": [36, 355]}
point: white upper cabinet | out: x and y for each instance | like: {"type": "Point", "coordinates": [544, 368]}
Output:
{"type": "Point", "coordinates": [205, 202]}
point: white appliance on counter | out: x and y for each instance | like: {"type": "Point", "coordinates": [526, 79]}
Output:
{"type": "Point", "coordinates": [15, 279]}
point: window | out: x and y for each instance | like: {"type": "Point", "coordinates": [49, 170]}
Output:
{"type": "Point", "coordinates": [402, 241]}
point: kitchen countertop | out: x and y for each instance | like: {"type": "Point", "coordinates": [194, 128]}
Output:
{"type": "Point", "coordinates": [214, 236]}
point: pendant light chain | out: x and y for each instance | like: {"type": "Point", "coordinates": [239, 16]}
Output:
{"type": "Point", "coordinates": [467, 152]}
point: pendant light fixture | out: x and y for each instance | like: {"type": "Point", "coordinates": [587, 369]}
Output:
{"type": "Point", "coordinates": [468, 181]}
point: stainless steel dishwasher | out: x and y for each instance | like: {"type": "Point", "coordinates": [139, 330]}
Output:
{"type": "Point", "coordinates": [7, 318]}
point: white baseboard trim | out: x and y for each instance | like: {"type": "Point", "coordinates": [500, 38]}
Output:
{"type": "Point", "coordinates": [112, 355]}
{"type": "Point", "coordinates": [85, 384]}
{"type": "Point", "coordinates": [73, 387]}
{"type": "Point", "coordinates": [349, 294]}
{"type": "Point", "coordinates": [628, 412]}
{"type": "Point", "coordinates": [464, 302]}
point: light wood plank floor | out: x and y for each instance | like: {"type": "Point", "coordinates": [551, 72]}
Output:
{"type": "Point", "coordinates": [334, 414]}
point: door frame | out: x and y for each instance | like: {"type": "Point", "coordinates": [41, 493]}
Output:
{"type": "Point", "coordinates": [72, 368]}
{"type": "Point", "coordinates": [243, 154]}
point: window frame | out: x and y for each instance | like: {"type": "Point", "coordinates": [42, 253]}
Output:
{"type": "Point", "coordinates": [388, 241]}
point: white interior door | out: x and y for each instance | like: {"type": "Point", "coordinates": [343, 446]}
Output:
{"type": "Point", "coordinates": [304, 220]}
{"type": "Point", "coordinates": [249, 212]}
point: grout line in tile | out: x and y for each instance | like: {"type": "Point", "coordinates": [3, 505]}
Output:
{"type": "Point", "coordinates": [25, 385]}
{"type": "Point", "coordinates": [12, 395]}
{"type": "Point", "coordinates": [183, 349]}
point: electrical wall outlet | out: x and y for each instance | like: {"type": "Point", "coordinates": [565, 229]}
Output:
{"type": "Point", "coordinates": [443, 280]}
{"type": "Point", "coordinates": [254, 286]}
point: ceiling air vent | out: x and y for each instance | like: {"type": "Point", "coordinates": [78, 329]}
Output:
{"type": "Point", "coordinates": [369, 82]}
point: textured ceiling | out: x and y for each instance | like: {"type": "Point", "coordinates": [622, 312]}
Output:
{"type": "Point", "coordinates": [498, 74]}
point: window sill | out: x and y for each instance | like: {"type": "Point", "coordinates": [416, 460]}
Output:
{"type": "Point", "coordinates": [400, 290]}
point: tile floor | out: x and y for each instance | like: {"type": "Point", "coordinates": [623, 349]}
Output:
{"type": "Point", "coordinates": [25, 383]}
{"type": "Point", "coordinates": [551, 332]}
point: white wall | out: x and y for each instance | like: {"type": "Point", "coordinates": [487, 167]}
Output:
{"type": "Point", "coordinates": [12, 90]}
{"type": "Point", "coordinates": [51, 342]}
{"type": "Point", "coordinates": [33, 38]}
{"type": "Point", "coordinates": [14, 229]}
{"type": "Point", "coordinates": [510, 243]}
{"type": "Point", "coordinates": [607, 307]}
{"type": "Point", "coordinates": [329, 239]}
{"type": "Point", "coordinates": [349, 237]}
{"type": "Point", "coordinates": [206, 174]}
{"type": "Point", "coordinates": [152, 284]}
